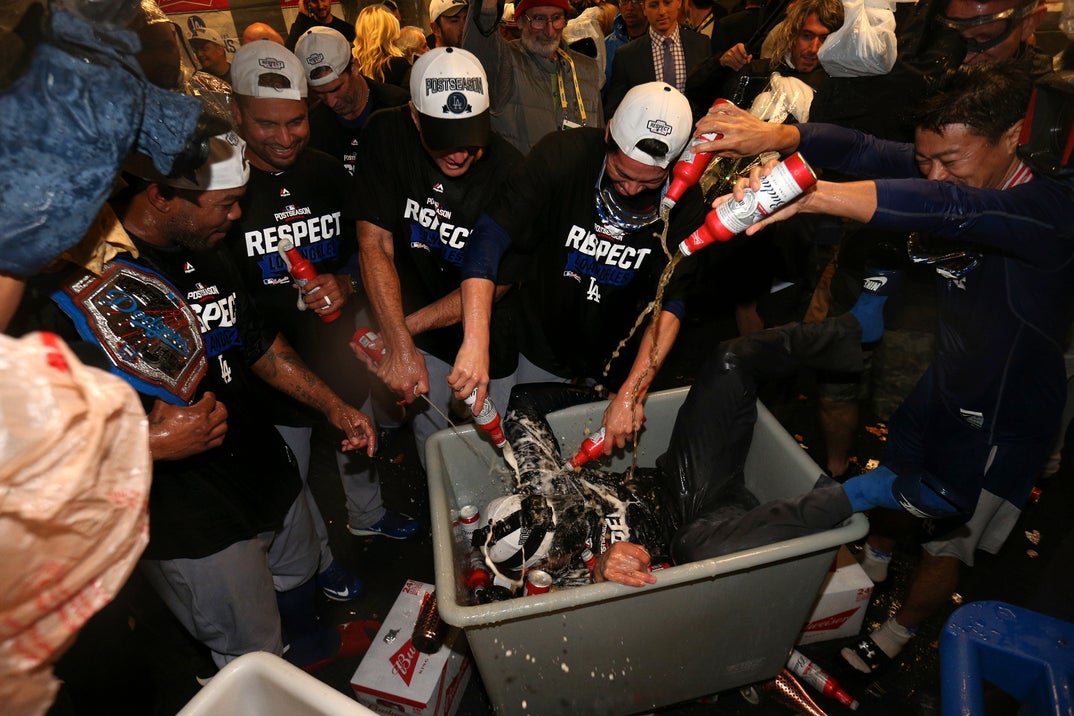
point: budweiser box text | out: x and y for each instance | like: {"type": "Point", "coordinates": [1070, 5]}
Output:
{"type": "Point", "coordinates": [395, 678]}
{"type": "Point", "coordinates": [840, 607]}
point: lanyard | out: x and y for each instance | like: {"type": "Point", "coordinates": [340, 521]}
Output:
{"type": "Point", "coordinates": [562, 90]}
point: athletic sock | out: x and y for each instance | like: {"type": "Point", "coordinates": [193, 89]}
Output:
{"type": "Point", "coordinates": [890, 638]}
{"type": "Point", "coordinates": [875, 563]}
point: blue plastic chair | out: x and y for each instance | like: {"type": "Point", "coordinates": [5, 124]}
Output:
{"type": "Point", "coordinates": [1028, 655]}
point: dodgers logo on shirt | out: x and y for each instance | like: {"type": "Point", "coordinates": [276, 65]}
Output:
{"type": "Point", "coordinates": [456, 104]}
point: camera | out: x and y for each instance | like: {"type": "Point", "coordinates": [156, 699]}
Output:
{"type": "Point", "coordinates": [1046, 143]}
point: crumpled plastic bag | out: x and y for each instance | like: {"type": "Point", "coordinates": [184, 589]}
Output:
{"type": "Point", "coordinates": [865, 45]}
{"type": "Point", "coordinates": [74, 489]}
{"type": "Point", "coordinates": [587, 25]}
{"type": "Point", "coordinates": [783, 97]}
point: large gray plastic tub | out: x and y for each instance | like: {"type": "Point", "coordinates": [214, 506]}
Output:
{"type": "Point", "coordinates": [610, 649]}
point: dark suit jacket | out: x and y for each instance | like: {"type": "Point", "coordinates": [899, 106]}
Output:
{"type": "Point", "coordinates": [633, 64]}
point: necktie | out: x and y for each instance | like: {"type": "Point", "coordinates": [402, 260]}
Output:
{"type": "Point", "coordinates": [667, 65]}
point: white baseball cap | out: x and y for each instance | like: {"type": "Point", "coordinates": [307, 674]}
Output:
{"type": "Point", "coordinates": [225, 168]}
{"type": "Point", "coordinates": [451, 8]}
{"type": "Point", "coordinates": [207, 34]}
{"type": "Point", "coordinates": [449, 89]}
{"type": "Point", "coordinates": [654, 110]}
{"type": "Point", "coordinates": [325, 54]}
{"type": "Point", "coordinates": [267, 70]}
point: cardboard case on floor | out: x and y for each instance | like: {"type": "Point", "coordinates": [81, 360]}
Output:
{"type": "Point", "coordinates": [840, 607]}
{"type": "Point", "coordinates": [395, 678]}
{"type": "Point", "coordinates": [612, 649]}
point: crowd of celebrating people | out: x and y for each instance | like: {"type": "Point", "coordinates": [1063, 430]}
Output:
{"type": "Point", "coordinates": [487, 196]}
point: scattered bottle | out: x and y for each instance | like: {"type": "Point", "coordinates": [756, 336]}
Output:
{"type": "Point", "coordinates": [469, 521]}
{"type": "Point", "coordinates": [816, 677]}
{"type": "Point", "coordinates": [428, 634]}
{"type": "Point", "coordinates": [591, 449]}
{"type": "Point", "coordinates": [487, 418]}
{"type": "Point", "coordinates": [787, 182]}
{"type": "Point", "coordinates": [302, 271]}
{"type": "Point", "coordinates": [691, 165]}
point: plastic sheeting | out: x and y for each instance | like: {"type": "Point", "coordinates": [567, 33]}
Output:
{"type": "Point", "coordinates": [74, 489]}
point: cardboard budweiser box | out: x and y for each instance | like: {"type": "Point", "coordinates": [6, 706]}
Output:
{"type": "Point", "coordinates": [395, 678]}
{"type": "Point", "coordinates": [840, 607]}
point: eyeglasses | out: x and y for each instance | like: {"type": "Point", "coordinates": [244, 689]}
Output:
{"type": "Point", "coordinates": [539, 22]}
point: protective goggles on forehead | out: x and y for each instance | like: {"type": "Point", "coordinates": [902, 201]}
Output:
{"type": "Point", "coordinates": [1012, 16]}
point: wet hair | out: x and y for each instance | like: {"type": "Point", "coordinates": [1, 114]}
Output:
{"type": "Point", "coordinates": [988, 99]}
{"type": "Point", "coordinates": [829, 13]}
{"type": "Point", "coordinates": [653, 147]}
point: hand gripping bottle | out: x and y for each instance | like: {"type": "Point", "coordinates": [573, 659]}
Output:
{"type": "Point", "coordinates": [487, 418]}
{"type": "Point", "coordinates": [369, 343]}
{"type": "Point", "coordinates": [691, 165]}
{"type": "Point", "coordinates": [818, 678]}
{"type": "Point", "coordinates": [592, 448]}
{"type": "Point", "coordinates": [302, 271]}
{"type": "Point", "coordinates": [786, 183]}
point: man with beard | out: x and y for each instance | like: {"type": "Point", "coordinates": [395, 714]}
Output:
{"type": "Point", "coordinates": [537, 85]}
{"type": "Point", "coordinates": [297, 194]}
{"type": "Point", "coordinates": [232, 549]}
{"type": "Point", "coordinates": [317, 13]}
{"type": "Point", "coordinates": [796, 43]}
{"type": "Point", "coordinates": [447, 18]}
{"type": "Point", "coordinates": [581, 218]}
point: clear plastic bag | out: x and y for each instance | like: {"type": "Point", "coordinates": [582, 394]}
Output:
{"type": "Point", "coordinates": [865, 45]}
{"type": "Point", "coordinates": [74, 489]}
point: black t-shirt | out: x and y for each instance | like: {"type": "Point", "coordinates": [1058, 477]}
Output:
{"type": "Point", "coordinates": [340, 137]}
{"type": "Point", "coordinates": [204, 503]}
{"type": "Point", "coordinates": [305, 204]}
{"type": "Point", "coordinates": [304, 22]}
{"type": "Point", "coordinates": [582, 282]}
{"type": "Point", "coordinates": [430, 215]}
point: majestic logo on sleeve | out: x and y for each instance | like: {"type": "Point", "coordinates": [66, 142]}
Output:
{"type": "Point", "coordinates": [149, 333]}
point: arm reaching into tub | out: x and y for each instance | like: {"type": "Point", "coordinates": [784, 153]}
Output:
{"type": "Point", "coordinates": [626, 563]}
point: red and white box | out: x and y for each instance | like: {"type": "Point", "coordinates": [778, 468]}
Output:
{"type": "Point", "coordinates": [840, 608]}
{"type": "Point", "coordinates": [395, 678]}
